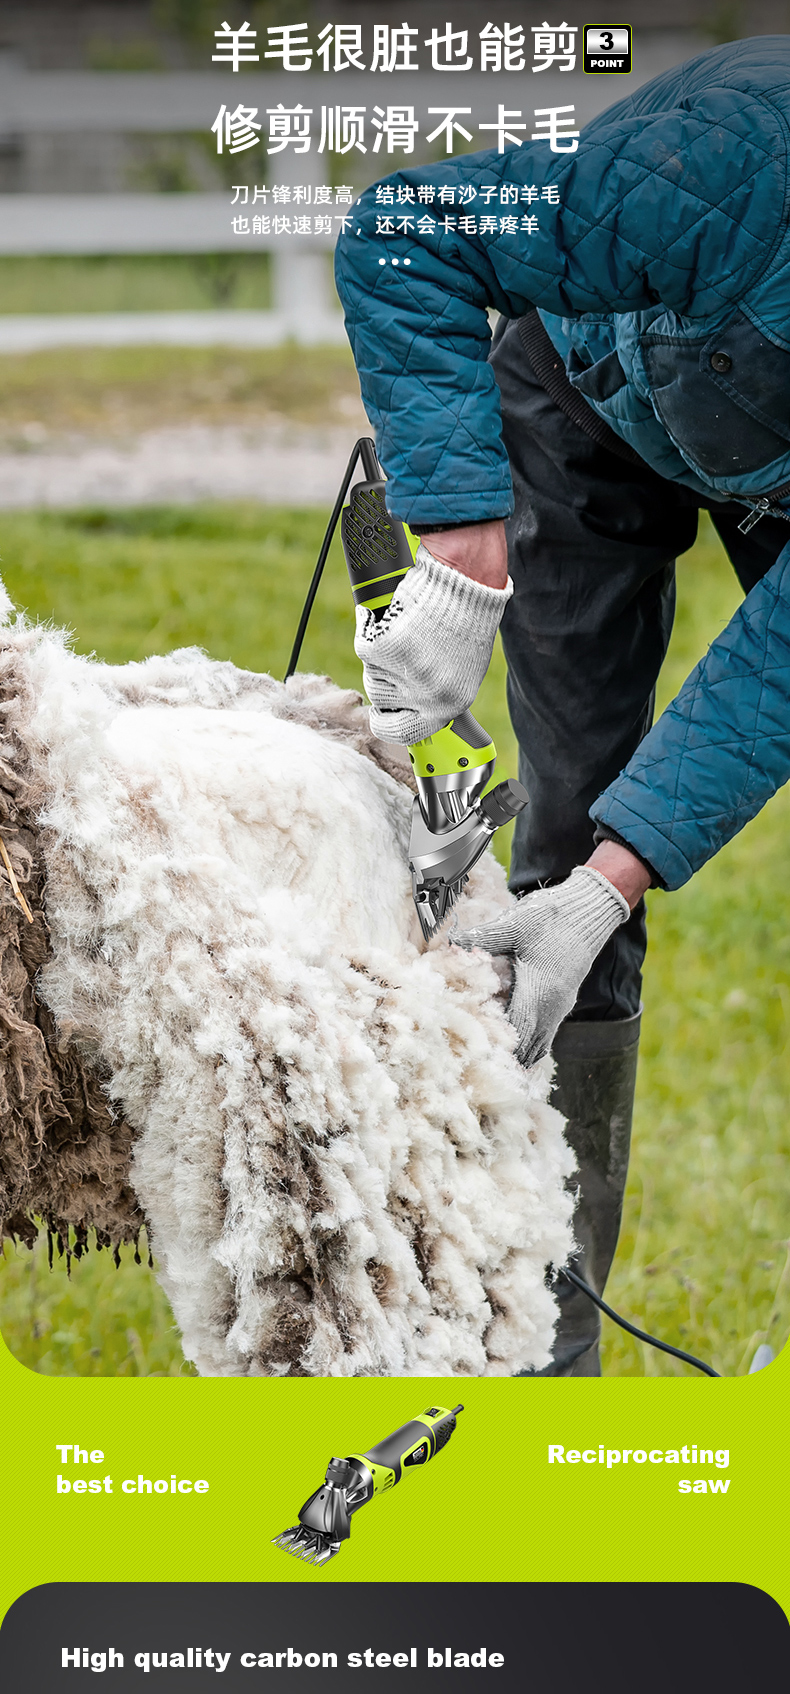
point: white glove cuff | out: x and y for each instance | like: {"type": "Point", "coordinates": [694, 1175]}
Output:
{"type": "Point", "coordinates": [444, 591]}
{"type": "Point", "coordinates": [594, 905]}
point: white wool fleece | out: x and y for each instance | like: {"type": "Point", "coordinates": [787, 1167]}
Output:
{"type": "Point", "coordinates": [343, 1168]}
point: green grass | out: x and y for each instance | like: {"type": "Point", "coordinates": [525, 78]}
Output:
{"type": "Point", "coordinates": [704, 1245]}
{"type": "Point", "coordinates": [135, 282]}
{"type": "Point", "coordinates": [144, 581]}
{"type": "Point", "coordinates": [703, 1254]}
{"type": "Point", "coordinates": [120, 390]}
{"type": "Point", "coordinates": [98, 1322]}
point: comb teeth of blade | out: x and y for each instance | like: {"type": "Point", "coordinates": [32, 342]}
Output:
{"type": "Point", "coordinates": [306, 1544]}
{"type": "Point", "coordinates": [320, 1554]}
{"type": "Point", "coordinates": [433, 910]}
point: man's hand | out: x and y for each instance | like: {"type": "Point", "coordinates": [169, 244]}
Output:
{"type": "Point", "coordinates": [426, 658]}
{"type": "Point", "coordinates": [478, 551]}
{"type": "Point", "coordinates": [552, 936]}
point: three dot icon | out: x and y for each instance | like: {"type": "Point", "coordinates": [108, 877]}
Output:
{"type": "Point", "coordinates": [395, 261]}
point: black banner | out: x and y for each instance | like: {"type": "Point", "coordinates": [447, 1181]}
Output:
{"type": "Point", "coordinates": [554, 1637]}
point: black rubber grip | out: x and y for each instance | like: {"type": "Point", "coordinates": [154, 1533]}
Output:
{"type": "Point", "coordinates": [443, 1431]}
{"type": "Point", "coordinates": [375, 590]}
{"type": "Point", "coordinates": [374, 543]}
{"type": "Point", "coordinates": [390, 1451]}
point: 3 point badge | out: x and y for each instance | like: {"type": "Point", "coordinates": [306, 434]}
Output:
{"type": "Point", "coordinates": [607, 52]}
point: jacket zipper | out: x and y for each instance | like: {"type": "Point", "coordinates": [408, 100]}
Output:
{"type": "Point", "coordinates": [761, 507]}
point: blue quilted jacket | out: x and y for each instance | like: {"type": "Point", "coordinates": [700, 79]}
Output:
{"type": "Point", "coordinates": [663, 276]}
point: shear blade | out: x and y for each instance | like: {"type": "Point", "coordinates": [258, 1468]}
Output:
{"type": "Point", "coordinates": [286, 1536]}
{"type": "Point", "coordinates": [306, 1544]}
{"type": "Point", "coordinates": [435, 905]}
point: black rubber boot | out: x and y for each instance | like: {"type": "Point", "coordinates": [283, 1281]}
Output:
{"type": "Point", "coordinates": [594, 1090]}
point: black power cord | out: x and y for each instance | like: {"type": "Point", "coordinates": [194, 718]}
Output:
{"type": "Point", "coordinates": [364, 450]}
{"type": "Point", "coordinates": [663, 1346]}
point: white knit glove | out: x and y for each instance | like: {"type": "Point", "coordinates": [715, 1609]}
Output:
{"type": "Point", "coordinates": [553, 936]}
{"type": "Point", "coordinates": [425, 659]}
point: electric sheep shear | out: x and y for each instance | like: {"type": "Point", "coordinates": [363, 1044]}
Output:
{"type": "Point", "coordinates": [325, 1519]}
{"type": "Point", "coordinates": [456, 810]}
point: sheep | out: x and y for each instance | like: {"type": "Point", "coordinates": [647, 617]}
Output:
{"type": "Point", "coordinates": [223, 1021]}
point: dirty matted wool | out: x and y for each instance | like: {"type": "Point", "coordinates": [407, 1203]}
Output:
{"type": "Point", "coordinates": [342, 1167]}
{"type": "Point", "coordinates": [64, 1154]}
